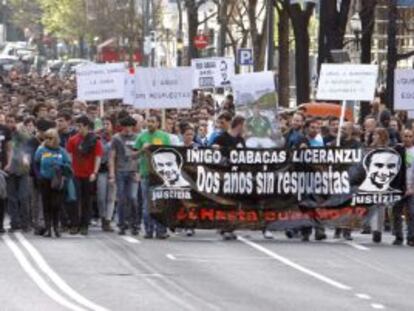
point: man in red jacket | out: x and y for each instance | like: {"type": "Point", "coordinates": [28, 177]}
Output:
{"type": "Point", "coordinates": [86, 150]}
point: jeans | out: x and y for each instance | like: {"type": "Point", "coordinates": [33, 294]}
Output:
{"type": "Point", "coordinates": [397, 211]}
{"type": "Point", "coordinates": [106, 192]}
{"type": "Point", "coordinates": [378, 217]}
{"type": "Point", "coordinates": [84, 194]}
{"type": "Point", "coordinates": [127, 189]}
{"type": "Point", "coordinates": [150, 223]}
{"type": "Point", "coordinates": [18, 195]}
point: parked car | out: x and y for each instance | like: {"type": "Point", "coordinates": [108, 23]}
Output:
{"type": "Point", "coordinates": [69, 67]}
{"type": "Point", "coordinates": [7, 63]}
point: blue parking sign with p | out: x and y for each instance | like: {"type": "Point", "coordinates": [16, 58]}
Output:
{"type": "Point", "coordinates": [245, 57]}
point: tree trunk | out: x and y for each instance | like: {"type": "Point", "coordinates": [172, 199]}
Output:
{"type": "Point", "coordinates": [367, 15]}
{"type": "Point", "coordinates": [192, 16]}
{"type": "Point", "coordinates": [332, 28]}
{"type": "Point", "coordinates": [284, 55]}
{"type": "Point", "coordinates": [259, 40]}
{"type": "Point", "coordinates": [300, 21]}
{"type": "Point", "coordinates": [223, 20]}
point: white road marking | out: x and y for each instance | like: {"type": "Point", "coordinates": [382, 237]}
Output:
{"type": "Point", "coordinates": [130, 239]}
{"type": "Point", "coordinates": [37, 278]}
{"type": "Point", "coordinates": [294, 265]}
{"type": "Point", "coordinates": [210, 259]}
{"type": "Point", "coordinates": [363, 296]}
{"type": "Point", "coordinates": [55, 278]}
{"type": "Point", "coordinates": [377, 306]}
{"type": "Point", "coordinates": [357, 246]}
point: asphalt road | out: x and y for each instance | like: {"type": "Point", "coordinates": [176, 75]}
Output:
{"type": "Point", "coordinates": [109, 272]}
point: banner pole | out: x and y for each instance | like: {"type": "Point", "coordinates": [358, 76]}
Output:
{"type": "Point", "coordinates": [101, 108]}
{"type": "Point", "coordinates": [341, 123]}
{"type": "Point", "coordinates": [163, 117]}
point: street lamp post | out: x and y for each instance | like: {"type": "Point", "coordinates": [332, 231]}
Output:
{"type": "Point", "coordinates": [356, 27]}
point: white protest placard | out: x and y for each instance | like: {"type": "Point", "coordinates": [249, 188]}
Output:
{"type": "Point", "coordinates": [212, 72]}
{"type": "Point", "coordinates": [101, 82]}
{"type": "Point", "coordinates": [249, 88]}
{"type": "Point", "coordinates": [161, 88]}
{"type": "Point", "coordinates": [347, 82]}
{"type": "Point", "coordinates": [129, 90]}
{"type": "Point", "coordinates": [404, 89]}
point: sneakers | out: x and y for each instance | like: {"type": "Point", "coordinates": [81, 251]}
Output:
{"type": "Point", "coordinates": [122, 231]}
{"type": "Point", "coordinates": [84, 231]}
{"type": "Point", "coordinates": [267, 234]}
{"type": "Point", "coordinates": [148, 236]}
{"type": "Point", "coordinates": [73, 231]}
{"type": "Point", "coordinates": [134, 232]}
{"type": "Point", "coordinates": [398, 241]}
{"type": "Point", "coordinates": [376, 237]}
{"type": "Point", "coordinates": [162, 236]}
{"type": "Point", "coordinates": [227, 236]}
{"type": "Point", "coordinates": [347, 236]}
{"type": "Point", "coordinates": [337, 234]}
{"type": "Point", "coordinates": [2, 230]}
{"type": "Point", "coordinates": [106, 226]}
{"type": "Point", "coordinates": [366, 230]}
{"type": "Point", "coordinates": [189, 232]}
{"type": "Point", "coordinates": [320, 236]}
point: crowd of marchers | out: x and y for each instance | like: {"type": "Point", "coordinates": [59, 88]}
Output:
{"type": "Point", "coordinates": [67, 164]}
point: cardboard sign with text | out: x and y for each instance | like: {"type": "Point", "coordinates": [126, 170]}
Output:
{"type": "Point", "coordinates": [162, 88]}
{"type": "Point", "coordinates": [404, 89]}
{"type": "Point", "coordinates": [347, 82]}
{"type": "Point", "coordinates": [101, 82]}
{"type": "Point", "coordinates": [216, 72]}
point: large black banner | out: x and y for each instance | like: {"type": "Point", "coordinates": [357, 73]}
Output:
{"type": "Point", "coordinates": [276, 188]}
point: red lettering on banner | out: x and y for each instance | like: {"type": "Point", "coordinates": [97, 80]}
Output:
{"type": "Point", "coordinates": [182, 214]}
{"type": "Point", "coordinates": [192, 215]}
{"type": "Point", "coordinates": [221, 215]}
{"type": "Point", "coordinates": [242, 216]}
{"type": "Point", "coordinates": [251, 216]}
{"type": "Point", "coordinates": [207, 214]}
{"type": "Point", "coordinates": [283, 216]}
{"type": "Point", "coordinates": [270, 216]}
{"type": "Point", "coordinates": [232, 216]}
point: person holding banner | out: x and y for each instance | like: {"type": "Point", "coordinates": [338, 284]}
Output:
{"type": "Point", "coordinates": [380, 139]}
{"type": "Point", "coordinates": [123, 164]}
{"type": "Point", "coordinates": [311, 139]}
{"type": "Point", "coordinates": [153, 136]}
{"type": "Point", "coordinates": [408, 202]}
{"type": "Point", "coordinates": [231, 139]}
